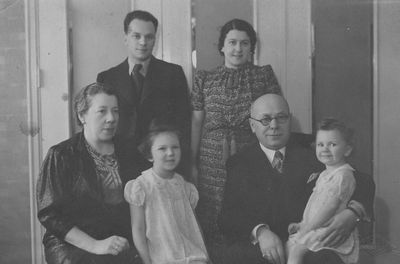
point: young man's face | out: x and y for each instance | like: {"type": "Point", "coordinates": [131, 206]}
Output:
{"type": "Point", "coordinates": [140, 40]}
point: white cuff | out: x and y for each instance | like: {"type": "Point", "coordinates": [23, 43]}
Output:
{"type": "Point", "coordinates": [360, 210]}
{"type": "Point", "coordinates": [254, 239]}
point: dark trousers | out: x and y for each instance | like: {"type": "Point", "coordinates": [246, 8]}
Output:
{"type": "Point", "coordinates": [245, 252]}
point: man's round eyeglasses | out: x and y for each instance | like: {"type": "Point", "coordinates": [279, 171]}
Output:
{"type": "Point", "coordinates": [266, 121]}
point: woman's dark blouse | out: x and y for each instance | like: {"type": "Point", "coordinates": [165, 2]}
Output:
{"type": "Point", "coordinates": [70, 193]}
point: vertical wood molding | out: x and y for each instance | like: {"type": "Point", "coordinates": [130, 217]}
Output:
{"type": "Point", "coordinates": [375, 87]}
{"type": "Point", "coordinates": [33, 103]}
{"type": "Point", "coordinates": [54, 68]}
{"type": "Point", "coordinates": [375, 122]}
{"type": "Point", "coordinates": [177, 34]}
{"type": "Point", "coordinates": [284, 33]}
{"type": "Point", "coordinates": [271, 31]}
{"type": "Point", "coordinates": [299, 63]}
{"type": "Point", "coordinates": [49, 86]}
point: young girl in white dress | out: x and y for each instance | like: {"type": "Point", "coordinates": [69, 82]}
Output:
{"type": "Point", "coordinates": [331, 194]}
{"type": "Point", "coordinates": [162, 203]}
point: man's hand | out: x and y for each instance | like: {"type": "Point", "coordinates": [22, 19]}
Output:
{"type": "Point", "coordinates": [271, 246]}
{"type": "Point", "coordinates": [339, 228]}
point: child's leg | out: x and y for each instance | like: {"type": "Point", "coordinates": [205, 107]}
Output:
{"type": "Point", "coordinates": [295, 252]}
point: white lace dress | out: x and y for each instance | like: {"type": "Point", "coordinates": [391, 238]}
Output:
{"type": "Point", "coordinates": [173, 234]}
{"type": "Point", "coordinates": [340, 184]}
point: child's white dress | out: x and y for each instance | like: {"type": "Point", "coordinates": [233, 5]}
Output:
{"type": "Point", "coordinates": [172, 232]}
{"type": "Point", "coordinates": [339, 183]}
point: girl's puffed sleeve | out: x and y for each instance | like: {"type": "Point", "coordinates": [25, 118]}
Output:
{"type": "Point", "coordinates": [52, 193]}
{"type": "Point", "coordinates": [197, 96]}
{"type": "Point", "coordinates": [347, 185]}
{"type": "Point", "coordinates": [342, 185]}
{"type": "Point", "coordinates": [192, 194]}
{"type": "Point", "coordinates": [134, 193]}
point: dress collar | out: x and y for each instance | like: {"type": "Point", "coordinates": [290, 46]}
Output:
{"type": "Point", "coordinates": [159, 181]}
{"type": "Point", "coordinates": [238, 69]}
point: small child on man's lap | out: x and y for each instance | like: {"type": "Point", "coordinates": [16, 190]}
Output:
{"type": "Point", "coordinates": [331, 194]}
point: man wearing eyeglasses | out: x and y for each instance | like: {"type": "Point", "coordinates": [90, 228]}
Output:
{"type": "Point", "coordinates": [267, 188]}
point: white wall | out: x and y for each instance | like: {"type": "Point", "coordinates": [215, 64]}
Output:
{"type": "Point", "coordinates": [96, 36]}
{"type": "Point", "coordinates": [285, 41]}
{"type": "Point", "coordinates": [54, 79]}
{"type": "Point", "coordinates": [210, 16]}
{"type": "Point", "coordinates": [387, 122]}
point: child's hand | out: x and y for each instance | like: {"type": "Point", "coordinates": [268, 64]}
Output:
{"type": "Point", "coordinates": [293, 228]}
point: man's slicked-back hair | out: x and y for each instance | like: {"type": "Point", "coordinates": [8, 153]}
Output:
{"type": "Point", "coordinates": [141, 15]}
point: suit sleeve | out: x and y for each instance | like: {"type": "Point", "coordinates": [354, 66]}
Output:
{"type": "Point", "coordinates": [52, 194]}
{"type": "Point", "coordinates": [364, 192]}
{"type": "Point", "coordinates": [100, 77]}
{"type": "Point", "coordinates": [182, 104]}
{"type": "Point", "coordinates": [241, 209]}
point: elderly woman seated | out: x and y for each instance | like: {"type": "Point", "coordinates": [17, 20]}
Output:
{"type": "Point", "coordinates": [80, 187]}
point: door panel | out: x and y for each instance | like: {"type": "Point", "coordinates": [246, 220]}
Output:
{"type": "Point", "coordinates": [342, 70]}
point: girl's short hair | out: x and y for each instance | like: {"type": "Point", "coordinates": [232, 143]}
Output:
{"type": "Point", "coordinates": [328, 124]}
{"type": "Point", "coordinates": [240, 25]}
{"type": "Point", "coordinates": [156, 128]}
{"type": "Point", "coordinates": [83, 100]}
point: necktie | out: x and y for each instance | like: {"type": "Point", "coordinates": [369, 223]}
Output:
{"type": "Point", "coordinates": [277, 162]}
{"type": "Point", "coordinates": [138, 79]}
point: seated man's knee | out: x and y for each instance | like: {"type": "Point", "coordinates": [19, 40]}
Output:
{"type": "Point", "coordinates": [322, 257]}
{"type": "Point", "coordinates": [241, 252]}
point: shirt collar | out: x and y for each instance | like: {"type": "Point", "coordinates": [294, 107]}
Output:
{"type": "Point", "coordinates": [143, 70]}
{"type": "Point", "coordinates": [270, 153]}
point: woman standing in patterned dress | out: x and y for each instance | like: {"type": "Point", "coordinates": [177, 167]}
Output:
{"type": "Point", "coordinates": [221, 100]}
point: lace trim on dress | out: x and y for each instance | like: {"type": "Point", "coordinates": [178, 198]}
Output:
{"type": "Point", "coordinates": [107, 170]}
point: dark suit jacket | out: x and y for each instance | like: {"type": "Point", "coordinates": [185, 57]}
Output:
{"type": "Point", "coordinates": [256, 194]}
{"type": "Point", "coordinates": [165, 95]}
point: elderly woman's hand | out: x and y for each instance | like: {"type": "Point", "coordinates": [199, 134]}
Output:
{"type": "Point", "coordinates": [112, 245]}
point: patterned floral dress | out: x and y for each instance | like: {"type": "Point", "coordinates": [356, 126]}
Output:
{"type": "Point", "coordinates": [225, 95]}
